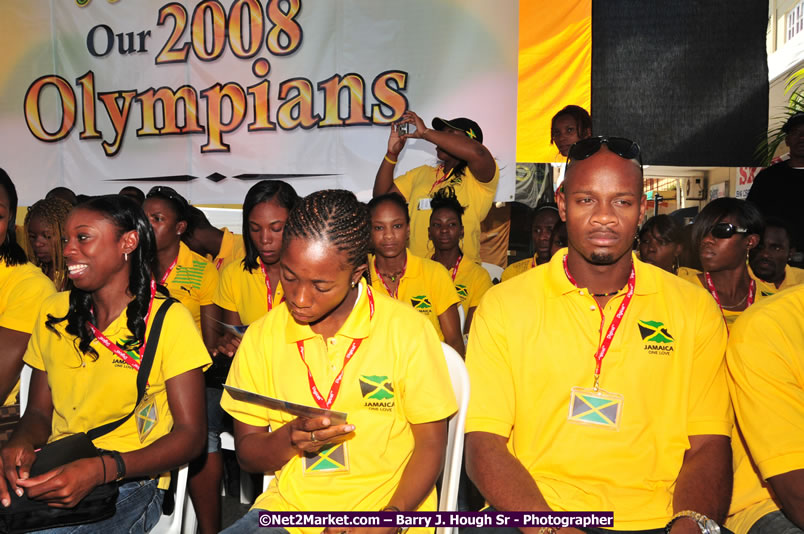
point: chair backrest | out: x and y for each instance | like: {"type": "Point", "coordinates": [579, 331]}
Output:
{"type": "Point", "coordinates": [448, 501]}
{"type": "Point", "coordinates": [25, 386]}
{"type": "Point", "coordinates": [495, 271]}
{"type": "Point", "coordinates": [461, 315]}
{"type": "Point", "coordinates": [183, 518]}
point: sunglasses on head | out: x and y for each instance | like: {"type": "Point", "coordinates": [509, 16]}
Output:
{"type": "Point", "coordinates": [724, 230]}
{"type": "Point", "coordinates": [625, 148]}
{"type": "Point", "coordinates": [167, 192]}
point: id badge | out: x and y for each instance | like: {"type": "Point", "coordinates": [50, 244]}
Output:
{"type": "Point", "coordinates": [595, 408]}
{"type": "Point", "coordinates": [424, 204]}
{"type": "Point", "coordinates": [146, 416]}
{"type": "Point", "coordinates": [328, 460]}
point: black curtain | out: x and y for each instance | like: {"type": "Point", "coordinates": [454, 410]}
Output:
{"type": "Point", "coordinates": [686, 79]}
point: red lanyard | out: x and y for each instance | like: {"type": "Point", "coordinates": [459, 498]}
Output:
{"type": "Point", "coordinates": [169, 270]}
{"type": "Point", "coordinates": [218, 264]}
{"type": "Point", "coordinates": [267, 284]}
{"type": "Point", "coordinates": [336, 385]}
{"type": "Point", "coordinates": [533, 265]}
{"type": "Point", "coordinates": [441, 180]}
{"type": "Point", "coordinates": [752, 288]}
{"type": "Point", "coordinates": [120, 353]}
{"type": "Point", "coordinates": [455, 269]}
{"type": "Point", "coordinates": [615, 323]}
{"type": "Point", "coordinates": [394, 294]}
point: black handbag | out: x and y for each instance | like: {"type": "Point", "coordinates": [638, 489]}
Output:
{"type": "Point", "coordinates": [27, 515]}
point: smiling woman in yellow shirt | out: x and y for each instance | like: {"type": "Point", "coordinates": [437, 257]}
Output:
{"type": "Point", "coordinates": [424, 283]}
{"type": "Point", "coordinates": [86, 349]}
{"type": "Point", "coordinates": [335, 343]}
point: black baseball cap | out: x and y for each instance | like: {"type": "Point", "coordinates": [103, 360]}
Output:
{"type": "Point", "coordinates": [467, 126]}
{"type": "Point", "coordinates": [794, 120]}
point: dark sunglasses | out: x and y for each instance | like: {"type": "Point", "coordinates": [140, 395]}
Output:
{"type": "Point", "coordinates": [625, 148]}
{"type": "Point", "coordinates": [724, 230]}
{"type": "Point", "coordinates": [163, 191]}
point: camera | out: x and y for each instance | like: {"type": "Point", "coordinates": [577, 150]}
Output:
{"type": "Point", "coordinates": [404, 128]}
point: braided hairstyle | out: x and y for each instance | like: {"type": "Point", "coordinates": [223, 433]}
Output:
{"type": "Point", "coordinates": [264, 191]}
{"type": "Point", "coordinates": [10, 251]}
{"type": "Point", "coordinates": [126, 215]}
{"type": "Point", "coordinates": [445, 198]}
{"type": "Point", "coordinates": [336, 217]}
{"type": "Point", "coordinates": [54, 212]}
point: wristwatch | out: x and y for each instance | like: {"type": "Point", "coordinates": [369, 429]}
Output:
{"type": "Point", "coordinates": [707, 526]}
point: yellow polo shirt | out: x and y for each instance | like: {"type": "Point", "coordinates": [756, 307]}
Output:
{"type": "Point", "coordinates": [475, 196]}
{"type": "Point", "coordinates": [397, 377]}
{"type": "Point", "coordinates": [245, 292]}
{"type": "Point", "coordinates": [88, 393]}
{"type": "Point", "coordinates": [691, 275]}
{"type": "Point", "coordinates": [232, 250]}
{"type": "Point", "coordinates": [533, 339]}
{"type": "Point", "coordinates": [766, 379]}
{"type": "Point", "coordinates": [426, 285]}
{"type": "Point", "coordinates": [471, 282]}
{"type": "Point", "coordinates": [518, 268]}
{"type": "Point", "coordinates": [192, 282]}
{"type": "Point", "coordinates": [793, 276]}
{"type": "Point", "coordinates": [23, 288]}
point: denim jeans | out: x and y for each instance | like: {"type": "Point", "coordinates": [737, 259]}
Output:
{"type": "Point", "coordinates": [139, 507]}
{"type": "Point", "coordinates": [774, 523]}
{"type": "Point", "coordinates": [250, 523]}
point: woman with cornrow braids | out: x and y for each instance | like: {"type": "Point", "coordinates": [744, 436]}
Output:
{"type": "Point", "coordinates": [86, 350]}
{"type": "Point", "coordinates": [44, 226]}
{"type": "Point", "coordinates": [336, 344]}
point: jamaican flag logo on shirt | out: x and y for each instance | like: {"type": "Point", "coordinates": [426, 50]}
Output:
{"type": "Point", "coordinates": [378, 393]}
{"type": "Point", "coordinates": [462, 290]}
{"type": "Point", "coordinates": [658, 339]}
{"type": "Point", "coordinates": [421, 303]}
{"type": "Point", "coordinates": [330, 459]}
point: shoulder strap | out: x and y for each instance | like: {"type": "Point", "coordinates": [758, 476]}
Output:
{"type": "Point", "coordinates": [145, 369]}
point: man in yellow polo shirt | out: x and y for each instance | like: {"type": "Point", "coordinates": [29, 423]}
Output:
{"type": "Point", "coordinates": [464, 164]}
{"type": "Point", "coordinates": [598, 381]}
{"type": "Point", "coordinates": [766, 379]}
{"type": "Point", "coordinates": [218, 245]}
{"type": "Point", "coordinates": [768, 261]}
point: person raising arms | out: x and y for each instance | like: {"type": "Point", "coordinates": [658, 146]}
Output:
{"type": "Point", "coordinates": [23, 288]}
{"type": "Point", "coordinates": [446, 232]}
{"type": "Point", "coordinates": [400, 274]}
{"type": "Point", "coordinates": [44, 226]}
{"type": "Point", "coordinates": [337, 344]}
{"type": "Point", "coordinates": [464, 163]}
{"type": "Point", "coordinates": [85, 351]}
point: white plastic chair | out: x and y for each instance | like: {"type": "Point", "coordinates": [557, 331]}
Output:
{"type": "Point", "coordinates": [448, 502]}
{"type": "Point", "coordinates": [247, 490]}
{"type": "Point", "coordinates": [25, 386]}
{"type": "Point", "coordinates": [183, 519]}
{"type": "Point", "coordinates": [495, 271]}
{"type": "Point", "coordinates": [461, 315]}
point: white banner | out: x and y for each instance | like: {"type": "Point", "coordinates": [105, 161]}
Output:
{"type": "Point", "coordinates": [210, 95]}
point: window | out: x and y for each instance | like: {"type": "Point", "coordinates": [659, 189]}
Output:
{"type": "Point", "coordinates": [795, 20]}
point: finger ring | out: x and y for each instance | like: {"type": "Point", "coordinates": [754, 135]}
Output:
{"type": "Point", "coordinates": [312, 436]}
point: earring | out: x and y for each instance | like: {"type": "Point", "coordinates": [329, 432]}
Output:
{"type": "Point", "coordinates": [125, 256]}
{"type": "Point", "coordinates": [353, 284]}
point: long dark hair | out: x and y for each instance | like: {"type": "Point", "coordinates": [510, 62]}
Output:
{"type": "Point", "coordinates": [10, 251]}
{"type": "Point", "coordinates": [263, 191]}
{"type": "Point", "coordinates": [126, 215]}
